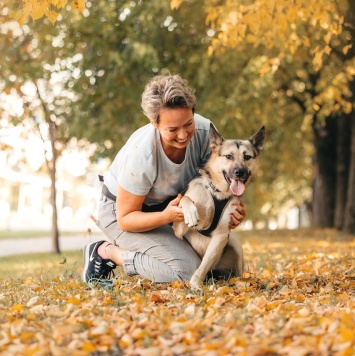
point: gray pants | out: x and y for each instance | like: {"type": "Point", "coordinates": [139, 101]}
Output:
{"type": "Point", "coordinates": [156, 254]}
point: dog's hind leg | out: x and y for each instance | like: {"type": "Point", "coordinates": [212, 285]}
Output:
{"type": "Point", "coordinates": [232, 258]}
{"type": "Point", "coordinates": [210, 259]}
{"type": "Point", "coordinates": [180, 229]}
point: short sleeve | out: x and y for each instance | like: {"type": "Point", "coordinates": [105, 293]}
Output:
{"type": "Point", "coordinates": [136, 173]}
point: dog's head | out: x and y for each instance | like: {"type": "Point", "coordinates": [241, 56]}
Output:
{"type": "Point", "coordinates": [234, 162]}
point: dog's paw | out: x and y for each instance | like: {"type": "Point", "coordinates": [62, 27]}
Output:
{"type": "Point", "coordinates": [191, 215]}
{"type": "Point", "coordinates": [196, 283]}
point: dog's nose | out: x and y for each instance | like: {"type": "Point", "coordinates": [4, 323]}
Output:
{"type": "Point", "coordinates": [240, 173]}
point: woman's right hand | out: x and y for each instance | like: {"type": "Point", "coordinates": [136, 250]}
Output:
{"type": "Point", "coordinates": [173, 211]}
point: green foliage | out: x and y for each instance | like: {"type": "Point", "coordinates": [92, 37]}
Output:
{"type": "Point", "coordinates": [284, 71]}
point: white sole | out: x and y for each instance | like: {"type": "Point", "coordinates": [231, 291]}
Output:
{"type": "Point", "coordinates": [86, 258]}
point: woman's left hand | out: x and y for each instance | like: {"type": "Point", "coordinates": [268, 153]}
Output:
{"type": "Point", "coordinates": [237, 216]}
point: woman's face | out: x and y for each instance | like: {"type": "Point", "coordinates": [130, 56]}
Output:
{"type": "Point", "coordinates": [176, 127]}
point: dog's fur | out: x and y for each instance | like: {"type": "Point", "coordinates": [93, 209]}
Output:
{"type": "Point", "coordinates": [227, 172]}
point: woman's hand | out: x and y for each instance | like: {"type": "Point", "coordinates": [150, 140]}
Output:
{"type": "Point", "coordinates": [173, 211]}
{"type": "Point", "coordinates": [237, 216]}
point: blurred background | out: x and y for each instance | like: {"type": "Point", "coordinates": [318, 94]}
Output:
{"type": "Point", "coordinates": [70, 90]}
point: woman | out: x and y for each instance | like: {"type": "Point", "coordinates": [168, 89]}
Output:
{"type": "Point", "coordinates": [141, 191]}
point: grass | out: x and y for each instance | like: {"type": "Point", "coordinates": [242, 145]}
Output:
{"type": "Point", "coordinates": [297, 297]}
{"type": "Point", "coordinates": [48, 265]}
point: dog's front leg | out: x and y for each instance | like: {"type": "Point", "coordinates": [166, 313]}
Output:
{"type": "Point", "coordinates": [190, 217]}
{"type": "Point", "coordinates": [213, 254]}
{"type": "Point", "coordinates": [190, 211]}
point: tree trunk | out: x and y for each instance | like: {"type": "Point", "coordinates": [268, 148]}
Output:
{"type": "Point", "coordinates": [342, 169]}
{"type": "Point", "coordinates": [324, 180]}
{"type": "Point", "coordinates": [53, 198]}
{"type": "Point", "coordinates": [349, 218]}
{"type": "Point", "coordinates": [349, 213]}
{"type": "Point", "coordinates": [51, 166]}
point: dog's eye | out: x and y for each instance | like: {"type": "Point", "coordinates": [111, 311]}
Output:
{"type": "Point", "coordinates": [247, 157]}
{"type": "Point", "coordinates": [230, 157]}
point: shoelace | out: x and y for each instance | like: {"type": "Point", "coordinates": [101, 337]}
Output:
{"type": "Point", "coordinates": [104, 271]}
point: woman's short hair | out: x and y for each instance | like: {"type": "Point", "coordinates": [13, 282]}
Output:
{"type": "Point", "coordinates": [166, 91]}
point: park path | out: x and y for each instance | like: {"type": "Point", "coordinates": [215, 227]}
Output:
{"type": "Point", "coordinates": [43, 244]}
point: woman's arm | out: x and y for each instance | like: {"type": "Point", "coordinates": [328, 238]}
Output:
{"type": "Point", "coordinates": [131, 218]}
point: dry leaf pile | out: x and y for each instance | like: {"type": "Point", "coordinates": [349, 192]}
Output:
{"type": "Point", "coordinates": [297, 298]}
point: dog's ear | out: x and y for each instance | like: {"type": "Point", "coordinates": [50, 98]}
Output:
{"type": "Point", "coordinates": [215, 138]}
{"type": "Point", "coordinates": [257, 140]}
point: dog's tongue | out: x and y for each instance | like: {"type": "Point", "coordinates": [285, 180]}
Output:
{"type": "Point", "coordinates": [237, 187]}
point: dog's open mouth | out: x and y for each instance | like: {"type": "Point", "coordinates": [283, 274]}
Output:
{"type": "Point", "coordinates": [235, 185]}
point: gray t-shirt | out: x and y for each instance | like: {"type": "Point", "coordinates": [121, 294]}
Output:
{"type": "Point", "coordinates": [142, 168]}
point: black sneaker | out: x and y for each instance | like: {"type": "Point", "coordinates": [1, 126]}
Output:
{"type": "Point", "coordinates": [96, 268]}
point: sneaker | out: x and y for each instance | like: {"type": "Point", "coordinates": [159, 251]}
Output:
{"type": "Point", "coordinates": [96, 268]}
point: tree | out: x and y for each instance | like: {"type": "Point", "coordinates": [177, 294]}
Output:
{"type": "Point", "coordinates": [50, 9]}
{"type": "Point", "coordinates": [127, 49]}
{"type": "Point", "coordinates": [79, 77]}
{"type": "Point", "coordinates": [269, 62]}
{"type": "Point", "coordinates": [310, 51]}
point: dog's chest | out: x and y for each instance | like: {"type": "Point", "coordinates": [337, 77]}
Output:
{"type": "Point", "coordinates": [215, 215]}
{"type": "Point", "coordinates": [215, 218]}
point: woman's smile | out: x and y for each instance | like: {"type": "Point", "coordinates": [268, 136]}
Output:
{"type": "Point", "coordinates": [176, 128]}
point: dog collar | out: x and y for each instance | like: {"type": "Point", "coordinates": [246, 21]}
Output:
{"type": "Point", "coordinates": [213, 187]}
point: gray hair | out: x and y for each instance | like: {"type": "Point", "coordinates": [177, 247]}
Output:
{"type": "Point", "coordinates": [166, 92]}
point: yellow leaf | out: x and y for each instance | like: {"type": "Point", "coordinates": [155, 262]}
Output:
{"type": "Point", "coordinates": [89, 347]}
{"type": "Point", "coordinates": [38, 9]}
{"type": "Point", "coordinates": [74, 301]}
{"type": "Point", "coordinates": [328, 37]}
{"type": "Point", "coordinates": [346, 49]}
{"type": "Point", "coordinates": [177, 284]}
{"type": "Point", "coordinates": [22, 15]}
{"type": "Point", "coordinates": [52, 16]}
{"type": "Point", "coordinates": [284, 290]}
{"type": "Point", "coordinates": [347, 334]}
{"type": "Point", "coordinates": [125, 340]}
{"type": "Point", "coordinates": [175, 4]}
{"type": "Point", "coordinates": [266, 273]}
{"type": "Point", "coordinates": [60, 3]}
{"type": "Point", "coordinates": [241, 30]}
{"type": "Point", "coordinates": [348, 108]}
{"type": "Point", "coordinates": [273, 305]}
{"type": "Point", "coordinates": [306, 41]}
{"type": "Point", "coordinates": [224, 290]}
{"type": "Point", "coordinates": [78, 5]}
{"type": "Point", "coordinates": [156, 299]}
{"type": "Point", "coordinates": [27, 335]}
{"type": "Point", "coordinates": [138, 333]}
{"type": "Point", "coordinates": [270, 6]}
{"type": "Point", "coordinates": [327, 50]}
{"type": "Point", "coordinates": [211, 17]}
{"type": "Point", "coordinates": [318, 60]}
{"type": "Point", "coordinates": [16, 307]}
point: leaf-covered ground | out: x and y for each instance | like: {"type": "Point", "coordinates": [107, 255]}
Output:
{"type": "Point", "coordinates": [296, 298]}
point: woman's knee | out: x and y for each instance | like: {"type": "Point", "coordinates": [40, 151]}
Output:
{"type": "Point", "coordinates": [186, 267]}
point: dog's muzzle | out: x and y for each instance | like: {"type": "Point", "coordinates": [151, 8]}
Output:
{"type": "Point", "coordinates": [241, 173]}
{"type": "Point", "coordinates": [236, 180]}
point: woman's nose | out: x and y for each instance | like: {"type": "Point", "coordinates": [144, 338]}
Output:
{"type": "Point", "coordinates": [182, 134]}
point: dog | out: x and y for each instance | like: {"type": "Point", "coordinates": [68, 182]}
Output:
{"type": "Point", "coordinates": [221, 184]}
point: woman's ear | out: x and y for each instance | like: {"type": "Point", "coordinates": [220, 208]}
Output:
{"type": "Point", "coordinates": [154, 124]}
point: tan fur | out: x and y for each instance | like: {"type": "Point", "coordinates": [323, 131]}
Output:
{"type": "Point", "coordinates": [221, 250]}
